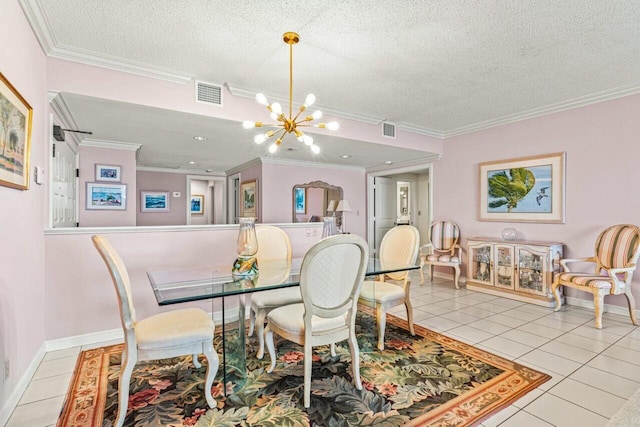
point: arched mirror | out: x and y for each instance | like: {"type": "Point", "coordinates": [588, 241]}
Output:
{"type": "Point", "coordinates": [313, 200]}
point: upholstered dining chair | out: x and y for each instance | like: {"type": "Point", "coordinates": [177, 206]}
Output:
{"type": "Point", "coordinates": [169, 334]}
{"type": "Point", "coordinates": [274, 263]}
{"type": "Point", "coordinates": [616, 256]}
{"type": "Point", "coordinates": [443, 249]}
{"type": "Point", "coordinates": [331, 277]}
{"type": "Point", "coordinates": [399, 246]}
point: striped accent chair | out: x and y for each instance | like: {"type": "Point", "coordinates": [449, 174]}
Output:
{"type": "Point", "coordinates": [616, 254]}
{"type": "Point", "coordinates": [442, 250]}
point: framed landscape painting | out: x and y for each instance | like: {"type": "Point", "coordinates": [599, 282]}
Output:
{"type": "Point", "coordinates": [528, 189]}
{"type": "Point", "coordinates": [106, 196]}
{"type": "Point", "coordinates": [154, 201]}
{"type": "Point", "coordinates": [15, 137]}
{"type": "Point", "coordinates": [108, 173]}
{"type": "Point", "coordinates": [249, 200]}
{"type": "Point", "coordinates": [197, 204]}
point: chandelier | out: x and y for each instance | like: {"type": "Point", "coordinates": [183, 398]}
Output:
{"type": "Point", "coordinates": [290, 124]}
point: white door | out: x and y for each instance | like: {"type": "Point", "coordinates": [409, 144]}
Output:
{"type": "Point", "coordinates": [385, 208]}
{"type": "Point", "coordinates": [63, 185]}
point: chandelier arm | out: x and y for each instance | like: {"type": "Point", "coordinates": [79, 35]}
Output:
{"type": "Point", "coordinates": [290, 80]}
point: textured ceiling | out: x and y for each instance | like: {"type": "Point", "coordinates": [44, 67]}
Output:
{"type": "Point", "coordinates": [440, 67]}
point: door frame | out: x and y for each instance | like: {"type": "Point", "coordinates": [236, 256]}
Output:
{"type": "Point", "coordinates": [388, 173]}
{"type": "Point", "coordinates": [216, 178]}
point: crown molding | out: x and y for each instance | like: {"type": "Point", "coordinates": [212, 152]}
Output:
{"type": "Point", "coordinates": [179, 170]}
{"type": "Point", "coordinates": [42, 30]}
{"type": "Point", "coordinates": [400, 167]}
{"type": "Point", "coordinates": [408, 127]}
{"type": "Point", "coordinates": [583, 101]}
{"type": "Point", "coordinates": [302, 163]}
{"type": "Point", "coordinates": [114, 145]}
{"type": "Point", "coordinates": [243, 166]}
{"type": "Point", "coordinates": [64, 115]}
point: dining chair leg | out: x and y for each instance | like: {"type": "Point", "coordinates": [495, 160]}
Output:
{"type": "Point", "coordinates": [332, 348]}
{"type": "Point", "coordinates": [456, 276]}
{"type": "Point", "coordinates": [268, 337]}
{"type": "Point", "coordinates": [381, 318]}
{"type": "Point", "coordinates": [631, 302]}
{"type": "Point", "coordinates": [252, 322]}
{"type": "Point", "coordinates": [213, 362]}
{"type": "Point", "coordinates": [409, 307]}
{"type": "Point", "coordinates": [259, 322]}
{"type": "Point", "coordinates": [598, 303]}
{"type": "Point", "coordinates": [196, 362]}
{"type": "Point", "coordinates": [355, 358]}
{"type": "Point", "coordinates": [432, 268]}
{"type": "Point", "coordinates": [554, 289]}
{"type": "Point", "coordinates": [128, 363]}
{"type": "Point", "coordinates": [421, 273]}
{"type": "Point", "coordinates": [308, 353]}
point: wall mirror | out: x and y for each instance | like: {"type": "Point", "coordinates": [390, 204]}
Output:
{"type": "Point", "coordinates": [404, 203]}
{"type": "Point", "coordinates": [312, 201]}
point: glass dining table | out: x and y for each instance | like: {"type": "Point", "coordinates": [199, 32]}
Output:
{"type": "Point", "coordinates": [180, 285]}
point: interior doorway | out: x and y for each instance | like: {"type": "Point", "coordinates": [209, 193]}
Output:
{"type": "Point", "coordinates": [206, 196]}
{"type": "Point", "coordinates": [398, 197]}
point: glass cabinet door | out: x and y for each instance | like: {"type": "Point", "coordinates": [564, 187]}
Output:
{"type": "Point", "coordinates": [532, 265]}
{"type": "Point", "coordinates": [504, 266]}
{"type": "Point", "coordinates": [480, 265]}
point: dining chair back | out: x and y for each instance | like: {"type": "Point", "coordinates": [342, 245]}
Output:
{"type": "Point", "coordinates": [274, 264]}
{"type": "Point", "coordinates": [399, 247]}
{"type": "Point", "coordinates": [331, 278]}
{"type": "Point", "coordinates": [442, 250]}
{"type": "Point", "coordinates": [170, 334]}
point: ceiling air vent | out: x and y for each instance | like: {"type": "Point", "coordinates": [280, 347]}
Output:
{"type": "Point", "coordinates": [208, 93]}
{"type": "Point", "coordinates": [388, 130]}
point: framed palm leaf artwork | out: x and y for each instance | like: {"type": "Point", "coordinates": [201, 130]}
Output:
{"type": "Point", "coordinates": [528, 189]}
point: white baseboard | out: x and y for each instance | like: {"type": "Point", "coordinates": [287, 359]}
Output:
{"type": "Point", "coordinates": [613, 309]}
{"type": "Point", "coordinates": [21, 386]}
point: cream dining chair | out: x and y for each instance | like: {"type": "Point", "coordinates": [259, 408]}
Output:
{"type": "Point", "coordinates": [399, 246]}
{"type": "Point", "coordinates": [443, 250]}
{"type": "Point", "coordinates": [274, 264]}
{"type": "Point", "coordinates": [616, 255]}
{"type": "Point", "coordinates": [169, 334]}
{"type": "Point", "coordinates": [331, 277]}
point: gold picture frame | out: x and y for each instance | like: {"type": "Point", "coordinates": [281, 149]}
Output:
{"type": "Point", "coordinates": [527, 189]}
{"type": "Point", "coordinates": [249, 198]}
{"type": "Point", "coordinates": [15, 136]}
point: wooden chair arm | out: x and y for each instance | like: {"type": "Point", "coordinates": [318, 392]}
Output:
{"type": "Point", "coordinates": [426, 249]}
{"type": "Point", "coordinates": [564, 262]}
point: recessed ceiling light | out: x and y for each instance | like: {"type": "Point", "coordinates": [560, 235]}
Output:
{"type": "Point", "coordinates": [191, 162]}
{"type": "Point", "coordinates": [292, 149]}
{"type": "Point", "coordinates": [208, 170]}
{"type": "Point", "coordinates": [388, 162]}
{"type": "Point", "coordinates": [346, 156]}
{"type": "Point", "coordinates": [200, 138]}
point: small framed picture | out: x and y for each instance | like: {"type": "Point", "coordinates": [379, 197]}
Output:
{"type": "Point", "coordinates": [106, 196]}
{"type": "Point", "coordinates": [197, 204]}
{"type": "Point", "coordinates": [107, 173]}
{"type": "Point", "coordinates": [249, 198]}
{"type": "Point", "coordinates": [154, 201]}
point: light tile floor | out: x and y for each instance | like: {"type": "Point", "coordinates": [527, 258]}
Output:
{"type": "Point", "coordinates": [594, 372]}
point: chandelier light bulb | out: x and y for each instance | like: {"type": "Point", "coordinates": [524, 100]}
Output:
{"type": "Point", "coordinates": [333, 126]}
{"type": "Point", "coordinates": [262, 99]}
{"type": "Point", "coordinates": [317, 114]}
{"type": "Point", "coordinates": [273, 148]}
{"type": "Point", "coordinates": [248, 125]}
{"type": "Point", "coordinates": [307, 140]}
{"type": "Point", "coordinates": [309, 100]}
{"type": "Point", "coordinates": [300, 136]}
{"type": "Point", "coordinates": [274, 116]}
{"type": "Point", "coordinates": [315, 149]}
{"type": "Point", "coordinates": [260, 138]}
{"type": "Point", "coordinates": [276, 108]}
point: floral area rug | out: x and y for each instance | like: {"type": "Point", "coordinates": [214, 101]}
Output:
{"type": "Point", "coordinates": [427, 379]}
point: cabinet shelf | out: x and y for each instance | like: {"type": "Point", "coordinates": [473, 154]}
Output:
{"type": "Point", "coordinates": [523, 269]}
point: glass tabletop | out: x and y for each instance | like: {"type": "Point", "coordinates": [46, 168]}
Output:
{"type": "Point", "coordinates": [177, 285]}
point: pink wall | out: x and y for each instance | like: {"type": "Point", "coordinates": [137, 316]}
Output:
{"type": "Point", "coordinates": [279, 179]}
{"type": "Point", "coordinates": [23, 213]}
{"type": "Point", "coordinates": [161, 181]}
{"type": "Point", "coordinates": [81, 298]}
{"type": "Point", "coordinates": [603, 152]}
{"type": "Point", "coordinates": [89, 157]}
